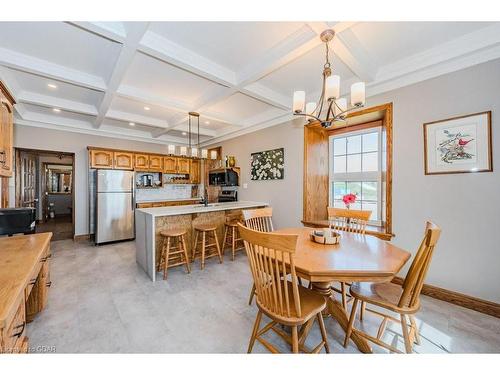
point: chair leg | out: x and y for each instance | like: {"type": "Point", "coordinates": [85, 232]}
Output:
{"type": "Point", "coordinates": [406, 335]}
{"type": "Point", "coordinates": [344, 295]}
{"type": "Point", "coordinates": [252, 293]}
{"type": "Point", "coordinates": [233, 242]}
{"type": "Point", "coordinates": [217, 246]}
{"type": "Point", "coordinates": [184, 249]}
{"type": "Point", "coordinates": [323, 331]}
{"type": "Point", "coordinates": [381, 329]}
{"type": "Point", "coordinates": [224, 241]}
{"type": "Point", "coordinates": [295, 340]}
{"type": "Point", "coordinates": [165, 264]}
{"type": "Point", "coordinates": [351, 322]}
{"type": "Point", "coordinates": [362, 310]}
{"type": "Point", "coordinates": [193, 248]}
{"type": "Point", "coordinates": [415, 328]}
{"type": "Point", "coordinates": [203, 251]}
{"type": "Point", "coordinates": [254, 331]}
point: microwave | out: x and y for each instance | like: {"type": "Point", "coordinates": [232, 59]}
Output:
{"type": "Point", "coordinates": [223, 177]}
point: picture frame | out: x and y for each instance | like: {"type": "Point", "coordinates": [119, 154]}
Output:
{"type": "Point", "coordinates": [267, 165]}
{"type": "Point", "coordinates": [459, 144]}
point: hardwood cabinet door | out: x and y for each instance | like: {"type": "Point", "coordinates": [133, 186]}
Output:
{"type": "Point", "coordinates": [144, 205]}
{"type": "Point", "coordinates": [101, 159]}
{"type": "Point", "coordinates": [141, 161]}
{"type": "Point", "coordinates": [6, 137]}
{"type": "Point", "coordinates": [183, 165]}
{"type": "Point", "coordinates": [156, 163]}
{"type": "Point", "coordinates": [170, 164]}
{"type": "Point", "coordinates": [124, 160]}
{"type": "Point", "coordinates": [194, 172]}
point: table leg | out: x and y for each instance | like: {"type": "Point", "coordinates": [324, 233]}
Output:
{"type": "Point", "coordinates": [335, 309]}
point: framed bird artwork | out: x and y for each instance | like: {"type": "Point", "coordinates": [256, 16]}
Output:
{"type": "Point", "coordinates": [458, 145]}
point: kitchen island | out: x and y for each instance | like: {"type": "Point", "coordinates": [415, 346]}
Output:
{"type": "Point", "coordinates": [149, 222]}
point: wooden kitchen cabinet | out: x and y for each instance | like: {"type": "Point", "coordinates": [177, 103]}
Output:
{"type": "Point", "coordinates": [101, 158]}
{"type": "Point", "coordinates": [6, 131]}
{"type": "Point", "coordinates": [124, 160]}
{"type": "Point", "coordinates": [156, 163]}
{"type": "Point", "coordinates": [183, 165]}
{"type": "Point", "coordinates": [170, 164]}
{"type": "Point", "coordinates": [141, 162]}
{"type": "Point", "coordinates": [194, 171]}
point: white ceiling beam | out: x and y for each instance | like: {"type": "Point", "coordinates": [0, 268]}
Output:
{"type": "Point", "coordinates": [265, 94]}
{"type": "Point", "coordinates": [113, 31]}
{"type": "Point", "coordinates": [52, 102]}
{"type": "Point", "coordinates": [353, 56]}
{"type": "Point", "coordinates": [29, 64]}
{"type": "Point", "coordinates": [135, 33]}
{"type": "Point", "coordinates": [172, 53]}
{"type": "Point", "coordinates": [294, 46]}
{"type": "Point", "coordinates": [138, 119]}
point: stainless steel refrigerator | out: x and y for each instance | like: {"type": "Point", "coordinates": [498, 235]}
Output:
{"type": "Point", "coordinates": [114, 205]}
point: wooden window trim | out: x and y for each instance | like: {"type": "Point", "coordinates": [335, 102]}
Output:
{"type": "Point", "coordinates": [316, 167]}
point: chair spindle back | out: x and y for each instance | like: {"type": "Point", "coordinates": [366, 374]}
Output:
{"type": "Point", "coordinates": [260, 219]}
{"type": "Point", "coordinates": [271, 258]}
{"type": "Point", "coordinates": [414, 280]}
{"type": "Point", "coordinates": [353, 221]}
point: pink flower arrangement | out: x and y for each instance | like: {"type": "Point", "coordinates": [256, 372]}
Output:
{"type": "Point", "coordinates": [349, 198]}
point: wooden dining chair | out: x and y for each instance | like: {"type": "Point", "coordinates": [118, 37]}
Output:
{"type": "Point", "coordinates": [400, 299]}
{"type": "Point", "coordinates": [260, 219]}
{"type": "Point", "coordinates": [353, 221]}
{"type": "Point", "coordinates": [279, 296]}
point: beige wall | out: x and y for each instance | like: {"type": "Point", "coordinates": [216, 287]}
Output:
{"type": "Point", "coordinates": [54, 140]}
{"type": "Point", "coordinates": [466, 206]}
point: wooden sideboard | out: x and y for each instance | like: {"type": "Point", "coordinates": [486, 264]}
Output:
{"type": "Point", "coordinates": [6, 131]}
{"type": "Point", "coordinates": [24, 283]}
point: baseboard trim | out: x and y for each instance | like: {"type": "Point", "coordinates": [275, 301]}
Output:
{"type": "Point", "coordinates": [81, 237]}
{"type": "Point", "coordinates": [469, 302]}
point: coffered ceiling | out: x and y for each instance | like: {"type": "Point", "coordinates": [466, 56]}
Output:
{"type": "Point", "coordinates": [138, 80]}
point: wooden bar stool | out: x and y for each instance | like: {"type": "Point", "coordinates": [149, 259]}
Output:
{"type": "Point", "coordinates": [169, 258]}
{"type": "Point", "coordinates": [231, 236]}
{"type": "Point", "coordinates": [208, 231]}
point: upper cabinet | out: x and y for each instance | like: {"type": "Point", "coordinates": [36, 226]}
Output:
{"type": "Point", "coordinates": [129, 160]}
{"type": "Point", "coordinates": [170, 164]}
{"type": "Point", "coordinates": [142, 162]}
{"type": "Point", "coordinates": [155, 163]}
{"type": "Point", "coordinates": [6, 131]}
{"type": "Point", "coordinates": [101, 158]}
{"type": "Point", "coordinates": [183, 165]}
{"type": "Point", "coordinates": [124, 160]}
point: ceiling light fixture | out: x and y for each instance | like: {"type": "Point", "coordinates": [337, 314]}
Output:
{"type": "Point", "coordinates": [56, 110]}
{"type": "Point", "coordinates": [52, 86]}
{"type": "Point", "coordinates": [131, 123]}
{"type": "Point", "coordinates": [147, 108]}
{"type": "Point", "coordinates": [184, 133]}
{"type": "Point", "coordinates": [330, 107]}
{"type": "Point", "coordinates": [194, 116]}
{"type": "Point", "coordinates": [207, 122]}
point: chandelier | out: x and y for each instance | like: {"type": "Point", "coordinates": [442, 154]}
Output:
{"type": "Point", "coordinates": [330, 107]}
{"type": "Point", "coordinates": [192, 147]}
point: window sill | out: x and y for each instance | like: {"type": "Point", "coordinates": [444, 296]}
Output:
{"type": "Point", "coordinates": [370, 229]}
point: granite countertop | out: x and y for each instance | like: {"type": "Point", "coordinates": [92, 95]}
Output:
{"type": "Point", "coordinates": [166, 200]}
{"type": "Point", "coordinates": [199, 208]}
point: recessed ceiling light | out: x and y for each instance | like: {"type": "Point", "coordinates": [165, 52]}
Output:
{"type": "Point", "coordinates": [147, 108]}
{"type": "Point", "coordinates": [56, 110]}
{"type": "Point", "coordinates": [207, 122]}
{"type": "Point", "coordinates": [184, 133]}
{"type": "Point", "coordinates": [131, 123]}
{"type": "Point", "coordinates": [52, 86]}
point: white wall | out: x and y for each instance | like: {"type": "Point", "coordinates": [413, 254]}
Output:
{"type": "Point", "coordinates": [466, 206]}
{"type": "Point", "coordinates": [54, 140]}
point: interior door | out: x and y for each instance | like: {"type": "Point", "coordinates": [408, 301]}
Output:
{"type": "Point", "coordinates": [28, 180]}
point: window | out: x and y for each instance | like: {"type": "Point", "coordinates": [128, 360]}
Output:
{"type": "Point", "coordinates": [356, 167]}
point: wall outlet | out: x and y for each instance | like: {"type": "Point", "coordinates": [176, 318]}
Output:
{"type": "Point", "coordinates": [245, 186]}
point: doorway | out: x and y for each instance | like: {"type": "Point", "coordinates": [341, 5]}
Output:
{"type": "Point", "coordinates": [45, 181]}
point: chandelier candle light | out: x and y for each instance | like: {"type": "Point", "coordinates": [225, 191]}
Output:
{"type": "Point", "coordinates": [330, 107]}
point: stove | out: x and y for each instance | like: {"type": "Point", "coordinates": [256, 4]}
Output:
{"type": "Point", "coordinates": [228, 196]}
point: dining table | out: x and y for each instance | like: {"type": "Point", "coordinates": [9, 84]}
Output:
{"type": "Point", "coordinates": [355, 258]}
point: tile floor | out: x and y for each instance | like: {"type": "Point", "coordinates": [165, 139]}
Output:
{"type": "Point", "coordinates": [102, 302]}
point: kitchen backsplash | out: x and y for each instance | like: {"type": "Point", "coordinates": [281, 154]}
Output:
{"type": "Point", "coordinates": [166, 192]}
